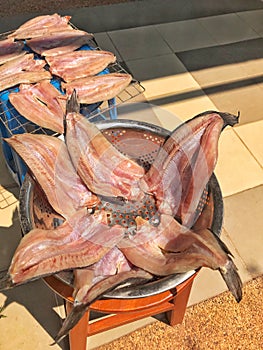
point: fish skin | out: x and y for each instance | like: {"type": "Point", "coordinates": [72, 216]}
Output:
{"type": "Point", "coordinates": [104, 170]}
{"type": "Point", "coordinates": [44, 252]}
{"type": "Point", "coordinates": [172, 248]}
{"type": "Point", "coordinates": [95, 293]}
{"type": "Point", "coordinates": [48, 159]}
{"type": "Point", "coordinates": [184, 165]}
{"type": "Point", "coordinates": [98, 88]}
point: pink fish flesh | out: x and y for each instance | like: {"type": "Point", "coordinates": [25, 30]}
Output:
{"type": "Point", "coordinates": [98, 88]}
{"type": "Point", "coordinates": [10, 49]}
{"type": "Point", "coordinates": [101, 166]}
{"type": "Point", "coordinates": [41, 104]}
{"type": "Point", "coordinates": [173, 248]}
{"type": "Point", "coordinates": [184, 165]}
{"type": "Point", "coordinates": [112, 263]}
{"type": "Point", "coordinates": [24, 69]}
{"type": "Point", "coordinates": [78, 64]}
{"type": "Point", "coordinates": [48, 159]}
{"type": "Point", "coordinates": [57, 43]}
{"type": "Point", "coordinates": [80, 241]}
{"type": "Point", "coordinates": [41, 25]}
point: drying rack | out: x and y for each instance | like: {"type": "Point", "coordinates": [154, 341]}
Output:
{"type": "Point", "coordinates": [11, 122]}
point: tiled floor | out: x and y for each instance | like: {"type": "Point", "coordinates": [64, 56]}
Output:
{"type": "Point", "coordinates": [196, 59]}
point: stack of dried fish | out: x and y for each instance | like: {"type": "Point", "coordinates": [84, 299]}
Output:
{"type": "Point", "coordinates": [77, 174]}
{"type": "Point", "coordinates": [48, 47]}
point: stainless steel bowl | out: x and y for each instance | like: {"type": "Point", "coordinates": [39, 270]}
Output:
{"type": "Point", "coordinates": [141, 141]}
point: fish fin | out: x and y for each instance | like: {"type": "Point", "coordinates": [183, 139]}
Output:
{"type": "Point", "coordinates": [5, 281]}
{"type": "Point", "coordinates": [232, 279]}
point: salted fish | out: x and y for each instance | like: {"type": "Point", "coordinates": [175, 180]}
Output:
{"type": "Point", "coordinates": [173, 248]}
{"type": "Point", "coordinates": [78, 64]}
{"type": "Point", "coordinates": [22, 70]}
{"type": "Point", "coordinates": [41, 25]}
{"type": "Point", "coordinates": [42, 104]}
{"type": "Point", "coordinates": [80, 241]}
{"type": "Point", "coordinates": [58, 43]}
{"type": "Point", "coordinates": [48, 159]}
{"type": "Point", "coordinates": [184, 165]}
{"type": "Point", "coordinates": [98, 88]}
{"type": "Point", "coordinates": [103, 169]}
{"type": "Point", "coordinates": [10, 49]}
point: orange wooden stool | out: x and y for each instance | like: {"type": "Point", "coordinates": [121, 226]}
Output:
{"type": "Point", "coordinates": [123, 311]}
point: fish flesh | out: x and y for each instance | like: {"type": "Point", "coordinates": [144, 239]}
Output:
{"type": "Point", "coordinates": [58, 43]}
{"type": "Point", "coordinates": [80, 241]}
{"type": "Point", "coordinates": [110, 264]}
{"type": "Point", "coordinates": [21, 64]}
{"type": "Point", "coordinates": [98, 88]}
{"type": "Point", "coordinates": [41, 25]}
{"type": "Point", "coordinates": [10, 49]}
{"type": "Point", "coordinates": [96, 292]}
{"type": "Point", "coordinates": [79, 64]}
{"type": "Point", "coordinates": [184, 165]}
{"type": "Point", "coordinates": [42, 104]}
{"type": "Point", "coordinates": [104, 170]}
{"type": "Point", "coordinates": [48, 159]}
{"type": "Point", "coordinates": [172, 248]}
{"type": "Point", "coordinates": [24, 78]}
{"type": "Point", "coordinates": [24, 69]}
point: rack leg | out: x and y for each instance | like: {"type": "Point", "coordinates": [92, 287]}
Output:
{"type": "Point", "coordinates": [78, 334]}
{"type": "Point", "coordinates": [176, 315]}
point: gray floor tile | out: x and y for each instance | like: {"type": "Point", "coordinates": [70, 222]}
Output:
{"type": "Point", "coordinates": [105, 43]}
{"type": "Point", "coordinates": [243, 222]}
{"type": "Point", "coordinates": [139, 42]}
{"type": "Point", "coordinates": [228, 28]}
{"type": "Point", "coordinates": [185, 35]}
{"type": "Point", "coordinates": [254, 19]}
{"type": "Point", "coordinates": [155, 67]}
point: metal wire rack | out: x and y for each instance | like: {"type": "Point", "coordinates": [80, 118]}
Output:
{"type": "Point", "coordinates": [15, 123]}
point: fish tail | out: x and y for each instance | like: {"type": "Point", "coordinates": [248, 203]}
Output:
{"type": "Point", "coordinates": [72, 319]}
{"type": "Point", "coordinates": [5, 281]}
{"type": "Point", "coordinates": [72, 106]}
{"type": "Point", "coordinates": [232, 279]}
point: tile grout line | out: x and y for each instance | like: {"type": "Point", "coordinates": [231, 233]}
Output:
{"type": "Point", "coordinates": [248, 149]}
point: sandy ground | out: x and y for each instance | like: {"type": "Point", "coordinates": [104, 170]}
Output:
{"type": "Point", "coordinates": [219, 323]}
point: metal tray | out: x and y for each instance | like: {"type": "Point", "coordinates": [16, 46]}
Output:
{"type": "Point", "coordinates": [141, 141]}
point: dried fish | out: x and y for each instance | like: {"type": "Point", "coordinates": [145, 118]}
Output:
{"type": "Point", "coordinates": [78, 64]}
{"type": "Point", "coordinates": [48, 159]}
{"type": "Point", "coordinates": [44, 252]}
{"type": "Point", "coordinates": [42, 104]}
{"type": "Point", "coordinates": [98, 88]}
{"type": "Point", "coordinates": [104, 170]}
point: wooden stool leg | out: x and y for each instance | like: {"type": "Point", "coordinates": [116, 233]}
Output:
{"type": "Point", "coordinates": [176, 315]}
{"type": "Point", "coordinates": [78, 334]}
